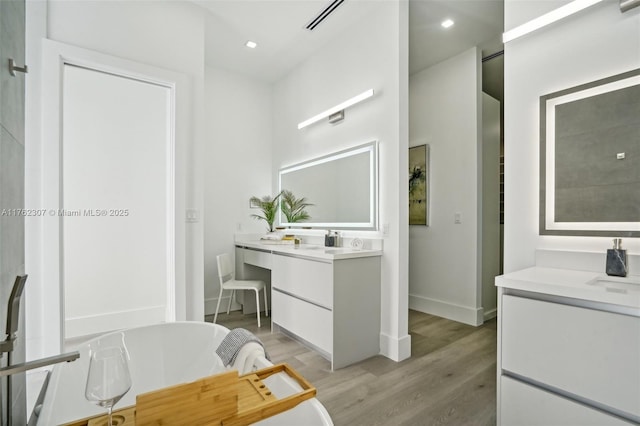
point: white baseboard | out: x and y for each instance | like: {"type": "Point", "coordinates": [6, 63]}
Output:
{"type": "Point", "coordinates": [464, 314]}
{"type": "Point", "coordinates": [395, 348]}
{"type": "Point", "coordinates": [109, 321]}
{"type": "Point", "coordinates": [210, 305]}
{"type": "Point", "coordinates": [490, 314]}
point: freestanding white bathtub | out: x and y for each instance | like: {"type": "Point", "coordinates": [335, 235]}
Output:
{"type": "Point", "coordinates": [163, 355]}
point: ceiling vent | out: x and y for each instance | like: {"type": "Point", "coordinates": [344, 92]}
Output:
{"type": "Point", "coordinates": [324, 14]}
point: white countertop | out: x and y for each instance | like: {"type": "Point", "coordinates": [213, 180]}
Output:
{"type": "Point", "coordinates": [311, 251]}
{"type": "Point", "coordinates": [584, 285]}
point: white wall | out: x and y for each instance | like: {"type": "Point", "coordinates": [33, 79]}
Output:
{"type": "Point", "coordinates": [595, 43]}
{"type": "Point", "coordinates": [528, 9]}
{"type": "Point", "coordinates": [445, 112]}
{"type": "Point", "coordinates": [238, 158]}
{"type": "Point", "coordinates": [372, 54]}
{"type": "Point", "coordinates": [168, 35]}
{"type": "Point", "coordinates": [36, 29]}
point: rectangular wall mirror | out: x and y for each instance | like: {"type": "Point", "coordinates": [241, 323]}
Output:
{"type": "Point", "coordinates": [343, 188]}
{"type": "Point", "coordinates": [590, 158]}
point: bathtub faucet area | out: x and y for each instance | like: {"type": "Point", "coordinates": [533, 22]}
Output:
{"type": "Point", "coordinates": [7, 345]}
{"type": "Point", "coordinates": [38, 363]}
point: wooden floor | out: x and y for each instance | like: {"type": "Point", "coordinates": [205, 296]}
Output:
{"type": "Point", "coordinates": [450, 378]}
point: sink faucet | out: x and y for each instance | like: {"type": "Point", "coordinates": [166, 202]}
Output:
{"type": "Point", "coordinates": [7, 345]}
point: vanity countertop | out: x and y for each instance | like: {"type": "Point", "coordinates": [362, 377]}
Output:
{"type": "Point", "coordinates": [311, 251]}
{"type": "Point", "coordinates": [590, 286]}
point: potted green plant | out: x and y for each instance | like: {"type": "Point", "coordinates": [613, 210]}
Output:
{"type": "Point", "coordinates": [294, 208]}
{"type": "Point", "coordinates": [269, 207]}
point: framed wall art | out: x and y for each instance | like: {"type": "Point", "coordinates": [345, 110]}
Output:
{"type": "Point", "coordinates": [419, 185]}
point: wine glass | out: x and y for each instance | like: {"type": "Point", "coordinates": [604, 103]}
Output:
{"type": "Point", "coordinates": [109, 378]}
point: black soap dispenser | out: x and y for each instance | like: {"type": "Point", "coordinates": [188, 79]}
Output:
{"type": "Point", "coordinates": [329, 240]}
{"type": "Point", "coordinates": [617, 259]}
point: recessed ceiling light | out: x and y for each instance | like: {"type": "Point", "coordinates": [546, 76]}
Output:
{"type": "Point", "coordinates": [447, 23]}
{"type": "Point", "coordinates": [251, 44]}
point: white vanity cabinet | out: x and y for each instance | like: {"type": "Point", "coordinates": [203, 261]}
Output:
{"type": "Point", "coordinates": [524, 404]}
{"type": "Point", "coordinates": [302, 300]}
{"type": "Point", "coordinates": [566, 361]}
{"type": "Point", "coordinates": [330, 303]}
{"type": "Point", "coordinates": [334, 306]}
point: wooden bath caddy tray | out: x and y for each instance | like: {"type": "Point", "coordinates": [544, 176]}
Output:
{"type": "Point", "coordinates": [223, 399]}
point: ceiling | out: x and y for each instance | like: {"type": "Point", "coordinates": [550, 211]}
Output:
{"type": "Point", "coordinates": [477, 23]}
{"type": "Point", "coordinates": [278, 26]}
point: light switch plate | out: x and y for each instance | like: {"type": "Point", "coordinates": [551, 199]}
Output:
{"type": "Point", "coordinates": [192, 216]}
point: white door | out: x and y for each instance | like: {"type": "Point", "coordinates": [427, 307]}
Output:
{"type": "Point", "coordinates": [113, 188]}
{"type": "Point", "coordinates": [115, 201]}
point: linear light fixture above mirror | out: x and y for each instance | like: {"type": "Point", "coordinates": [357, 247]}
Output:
{"type": "Point", "coordinates": [346, 104]}
{"type": "Point", "coordinates": [548, 18]}
{"type": "Point", "coordinates": [626, 5]}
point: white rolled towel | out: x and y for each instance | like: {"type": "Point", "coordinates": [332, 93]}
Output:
{"type": "Point", "coordinates": [245, 361]}
{"type": "Point", "coordinates": [233, 345]}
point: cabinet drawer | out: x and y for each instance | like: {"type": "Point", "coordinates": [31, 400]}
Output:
{"type": "Point", "coordinates": [310, 322]}
{"type": "Point", "coordinates": [307, 279]}
{"type": "Point", "coordinates": [585, 352]}
{"type": "Point", "coordinates": [257, 258]}
{"type": "Point", "coordinates": [523, 404]}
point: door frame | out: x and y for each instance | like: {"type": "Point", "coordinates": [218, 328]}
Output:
{"type": "Point", "coordinates": [55, 56]}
